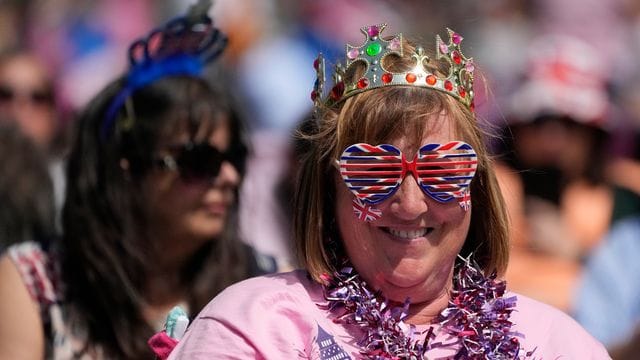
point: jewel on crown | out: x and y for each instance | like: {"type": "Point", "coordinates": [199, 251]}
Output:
{"type": "Point", "coordinates": [458, 82]}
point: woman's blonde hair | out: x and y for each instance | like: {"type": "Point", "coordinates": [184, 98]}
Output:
{"type": "Point", "coordinates": [376, 117]}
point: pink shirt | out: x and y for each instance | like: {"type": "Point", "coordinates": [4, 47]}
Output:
{"type": "Point", "coordinates": [277, 317]}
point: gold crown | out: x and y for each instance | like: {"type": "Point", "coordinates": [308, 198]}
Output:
{"type": "Point", "coordinates": [458, 82]}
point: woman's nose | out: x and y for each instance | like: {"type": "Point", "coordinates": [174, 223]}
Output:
{"type": "Point", "coordinates": [409, 201]}
{"type": "Point", "coordinates": [228, 176]}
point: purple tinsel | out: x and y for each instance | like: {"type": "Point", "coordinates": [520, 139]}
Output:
{"type": "Point", "coordinates": [477, 314]}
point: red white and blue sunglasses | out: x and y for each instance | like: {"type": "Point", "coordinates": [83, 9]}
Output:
{"type": "Point", "coordinates": [443, 171]}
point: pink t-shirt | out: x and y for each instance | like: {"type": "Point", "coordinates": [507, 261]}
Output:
{"type": "Point", "coordinates": [277, 317]}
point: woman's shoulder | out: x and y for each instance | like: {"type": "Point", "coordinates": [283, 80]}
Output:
{"type": "Point", "coordinates": [274, 316]}
{"type": "Point", "coordinates": [531, 310]}
{"type": "Point", "coordinates": [38, 270]}
{"type": "Point", "coordinates": [296, 280]}
{"type": "Point", "coordinates": [21, 324]}
{"type": "Point", "coordinates": [553, 333]}
{"type": "Point", "coordinates": [292, 288]}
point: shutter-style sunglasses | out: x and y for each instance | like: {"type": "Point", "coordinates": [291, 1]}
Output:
{"type": "Point", "coordinates": [443, 171]}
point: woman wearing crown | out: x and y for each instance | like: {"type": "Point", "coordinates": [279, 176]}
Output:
{"type": "Point", "coordinates": [401, 229]}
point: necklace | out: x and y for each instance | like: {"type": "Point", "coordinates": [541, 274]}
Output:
{"type": "Point", "coordinates": [477, 315]}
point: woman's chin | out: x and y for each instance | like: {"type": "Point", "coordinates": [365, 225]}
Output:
{"type": "Point", "coordinates": [207, 226]}
{"type": "Point", "coordinates": [398, 287]}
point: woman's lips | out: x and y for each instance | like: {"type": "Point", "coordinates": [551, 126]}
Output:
{"type": "Point", "coordinates": [216, 208]}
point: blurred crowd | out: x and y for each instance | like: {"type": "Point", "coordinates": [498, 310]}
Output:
{"type": "Point", "coordinates": [559, 97]}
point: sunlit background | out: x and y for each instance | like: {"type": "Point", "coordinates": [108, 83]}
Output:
{"type": "Point", "coordinates": [577, 58]}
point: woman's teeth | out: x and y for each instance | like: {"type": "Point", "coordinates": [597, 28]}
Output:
{"type": "Point", "coordinates": [408, 234]}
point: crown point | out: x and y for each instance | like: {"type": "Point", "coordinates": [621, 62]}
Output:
{"type": "Point", "coordinates": [394, 44]}
{"type": "Point", "coordinates": [456, 38]}
{"type": "Point", "coordinates": [443, 48]}
{"type": "Point", "coordinates": [353, 53]}
{"type": "Point", "coordinates": [469, 67]}
{"type": "Point", "coordinates": [373, 31]}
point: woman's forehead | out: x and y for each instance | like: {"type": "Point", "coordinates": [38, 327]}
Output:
{"type": "Point", "coordinates": [418, 129]}
{"type": "Point", "coordinates": [25, 71]}
{"type": "Point", "coordinates": [213, 129]}
{"type": "Point", "coordinates": [437, 129]}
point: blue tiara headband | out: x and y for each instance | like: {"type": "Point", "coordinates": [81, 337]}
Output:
{"type": "Point", "coordinates": [183, 46]}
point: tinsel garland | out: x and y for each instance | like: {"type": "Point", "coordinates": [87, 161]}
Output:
{"type": "Point", "coordinates": [477, 314]}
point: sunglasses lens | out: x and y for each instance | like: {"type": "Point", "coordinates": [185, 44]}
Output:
{"type": "Point", "coordinates": [372, 173]}
{"type": "Point", "coordinates": [36, 97]}
{"type": "Point", "coordinates": [199, 162]}
{"type": "Point", "coordinates": [237, 157]}
{"type": "Point", "coordinates": [446, 170]}
{"type": "Point", "coordinates": [41, 97]}
{"type": "Point", "coordinates": [5, 94]}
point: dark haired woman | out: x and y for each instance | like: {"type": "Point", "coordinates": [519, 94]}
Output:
{"type": "Point", "coordinates": [150, 215]}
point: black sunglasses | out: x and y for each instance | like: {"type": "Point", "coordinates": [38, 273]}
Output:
{"type": "Point", "coordinates": [38, 97]}
{"type": "Point", "coordinates": [197, 161]}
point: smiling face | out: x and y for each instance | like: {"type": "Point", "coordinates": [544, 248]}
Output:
{"type": "Point", "coordinates": [410, 251]}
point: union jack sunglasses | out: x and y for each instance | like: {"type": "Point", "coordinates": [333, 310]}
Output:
{"type": "Point", "coordinates": [443, 171]}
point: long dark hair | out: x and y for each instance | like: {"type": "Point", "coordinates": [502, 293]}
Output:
{"type": "Point", "coordinates": [26, 190]}
{"type": "Point", "coordinates": [105, 253]}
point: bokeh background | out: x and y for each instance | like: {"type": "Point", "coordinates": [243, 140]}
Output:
{"type": "Point", "coordinates": [573, 60]}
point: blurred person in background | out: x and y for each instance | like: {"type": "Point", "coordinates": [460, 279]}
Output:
{"type": "Point", "coordinates": [552, 169]}
{"type": "Point", "coordinates": [28, 99]}
{"type": "Point", "coordinates": [26, 192]}
{"type": "Point", "coordinates": [150, 216]}
{"type": "Point", "coordinates": [607, 302]}
{"type": "Point", "coordinates": [83, 41]}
